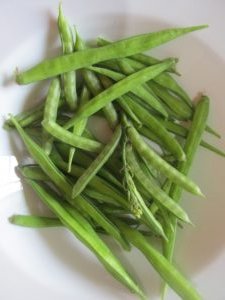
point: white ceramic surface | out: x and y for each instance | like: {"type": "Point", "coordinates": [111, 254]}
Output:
{"type": "Point", "coordinates": [51, 264]}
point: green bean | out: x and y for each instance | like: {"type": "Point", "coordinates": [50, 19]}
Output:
{"type": "Point", "coordinates": [33, 172]}
{"type": "Point", "coordinates": [43, 160]}
{"type": "Point", "coordinates": [150, 60]}
{"type": "Point", "coordinates": [137, 204]}
{"type": "Point", "coordinates": [96, 165]}
{"type": "Point", "coordinates": [149, 135]}
{"type": "Point", "coordinates": [115, 75]}
{"type": "Point", "coordinates": [212, 148]}
{"type": "Point", "coordinates": [95, 86]}
{"type": "Point", "coordinates": [80, 127]}
{"type": "Point", "coordinates": [66, 136]}
{"type": "Point", "coordinates": [81, 203]}
{"type": "Point", "coordinates": [106, 82]}
{"type": "Point", "coordinates": [98, 196]}
{"type": "Point", "coordinates": [156, 128]}
{"type": "Point", "coordinates": [141, 91]}
{"type": "Point", "coordinates": [97, 183]}
{"type": "Point", "coordinates": [182, 131]}
{"type": "Point", "coordinates": [124, 103]}
{"type": "Point", "coordinates": [84, 160]}
{"type": "Point", "coordinates": [28, 117]}
{"type": "Point", "coordinates": [34, 221]}
{"type": "Point", "coordinates": [141, 58]}
{"type": "Point", "coordinates": [50, 112]}
{"type": "Point", "coordinates": [111, 210]}
{"type": "Point", "coordinates": [148, 169]}
{"type": "Point", "coordinates": [144, 150]}
{"type": "Point", "coordinates": [119, 49]}
{"type": "Point", "coordinates": [148, 217]}
{"type": "Point", "coordinates": [154, 190]}
{"type": "Point", "coordinates": [108, 64]}
{"type": "Point", "coordinates": [167, 222]}
{"type": "Point", "coordinates": [117, 90]}
{"type": "Point", "coordinates": [86, 234]}
{"type": "Point", "coordinates": [31, 221]}
{"type": "Point", "coordinates": [168, 82]}
{"type": "Point", "coordinates": [165, 269]}
{"type": "Point", "coordinates": [191, 145]}
{"type": "Point", "coordinates": [69, 79]}
{"type": "Point", "coordinates": [89, 208]}
{"type": "Point", "coordinates": [180, 108]}
{"type": "Point", "coordinates": [194, 136]}
{"type": "Point", "coordinates": [212, 131]}
{"type": "Point", "coordinates": [164, 80]}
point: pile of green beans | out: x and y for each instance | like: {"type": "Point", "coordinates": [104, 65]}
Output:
{"type": "Point", "coordinates": [129, 187]}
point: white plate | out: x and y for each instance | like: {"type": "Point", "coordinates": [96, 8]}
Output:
{"type": "Point", "coordinates": [51, 264]}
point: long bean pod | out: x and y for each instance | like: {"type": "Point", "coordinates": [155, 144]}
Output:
{"type": "Point", "coordinates": [166, 270]}
{"type": "Point", "coordinates": [34, 221]}
{"type": "Point", "coordinates": [191, 145]}
{"type": "Point", "coordinates": [50, 112]}
{"type": "Point", "coordinates": [80, 127]}
{"type": "Point", "coordinates": [81, 59]}
{"type": "Point", "coordinates": [69, 78]}
{"type": "Point", "coordinates": [69, 138]}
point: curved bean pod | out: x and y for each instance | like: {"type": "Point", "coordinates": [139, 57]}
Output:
{"type": "Point", "coordinates": [69, 138]}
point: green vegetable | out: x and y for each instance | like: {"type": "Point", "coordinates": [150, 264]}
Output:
{"type": "Point", "coordinates": [69, 79]}
{"type": "Point", "coordinates": [118, 89]}
{"type": "Point", "coordinates": [126, 184]}
{"type": "Point", "coordinates": [122, 48]}
{"type": "Point", "coordinates": [144, 150]}
{"type": "Point", "coordinates": [94, 167]}
{"type": "Point", "coordinates": [34, 221]}
{"type": "Point", "coordinates": [80, 227]}
{"type": "Point", "coordinates": [191, 145]}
